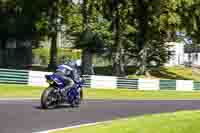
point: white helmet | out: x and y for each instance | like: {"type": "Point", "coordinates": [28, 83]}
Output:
{"type": "Point", "coordinates": [78, 63]}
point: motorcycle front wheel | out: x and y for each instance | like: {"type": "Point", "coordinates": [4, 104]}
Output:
{"type": "Point", "coordinates": [48, 98]}
{"type": "Point", "coordinates": [78, 100]}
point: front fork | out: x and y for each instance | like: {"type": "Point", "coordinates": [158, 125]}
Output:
{"type": "Point", "coordinates": [75, 95]}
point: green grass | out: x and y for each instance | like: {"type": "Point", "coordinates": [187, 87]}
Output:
{"type": "Point", "coordinates": [7, 91]}
{"type": "Point", "coordinates": [136, 94]}
{"type": "Point", "coordinates": [176, 72]}
{"type": "Point", "coordinates": [179, 122]}
{"type": "Point", "coordinates": [19, 91]}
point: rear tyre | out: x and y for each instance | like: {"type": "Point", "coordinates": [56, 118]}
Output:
{"type": "Point", "coordinates": [48, 98]}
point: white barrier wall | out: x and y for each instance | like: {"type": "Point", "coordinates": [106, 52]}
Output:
{"type": "Point", "coordinates": [145, 84]}
{"type": "Point", "coordinates": [37, 78]}
{"type": "Point", "coordinates": [103, 82]}
{"type": "Point", "coordinates": [184, 85]}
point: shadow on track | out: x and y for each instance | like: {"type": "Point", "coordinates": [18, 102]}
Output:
{"type": "Point", "coordinates": [62, 106]}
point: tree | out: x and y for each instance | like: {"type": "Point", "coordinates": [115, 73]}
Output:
{"type": "Point", "coordinates": [77, 20]}
{"type": "Point", "coordinates": [117, 11]}
{"type": "Point", "coordinates": [156, 23]}
{"type": "Point", "coordinates": [86, 53]}
{"type": "Point", "coordinates": [54, 12]}
{"type": "Point", "coordinates": [189, 12]}
{"type": "Point", "coordinates": [80, 19]}
{"type": "Point", "coordinates": [50, 24]}
{"type": "Point", "coordinates": [18, 18]}
{"type": "Point", "coordinates": [89, 41]}
{"type": "Point", "coordinates": [118, 50]}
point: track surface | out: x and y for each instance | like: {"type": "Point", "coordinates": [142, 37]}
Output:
{"type": "Point", "coordinates": [26, 116]}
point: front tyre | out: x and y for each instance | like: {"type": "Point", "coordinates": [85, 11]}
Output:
{"type": "Point", "coordinates": [48, 98]}
{"type": "Point", "coordinates": [77, 101]}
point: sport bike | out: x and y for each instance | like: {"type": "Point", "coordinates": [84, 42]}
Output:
{"type": "Point", "coordinates": [55, 94]}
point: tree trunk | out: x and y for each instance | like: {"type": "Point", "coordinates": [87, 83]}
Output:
{"type": "Point", "coordinates": [54, 12]}
{"type": "Point", "coordinates": [143, 62]}
{"type": "Point", "coordinates": [85, 15]}
{"type": "Point", "coordinates": [4, 55]}
{"type": "Point", "coordinates": [86, 54]}
{"type": "Point", "coordinates": [141, 38]}
{"type": "Point", "coordinates": [87, 68]}
{"type": "Point", "coordinates": [118, 58]}
{"type": "Point", "coordinates": [53, 52]}
{"type": "Point", "coordinates": [119, 62]}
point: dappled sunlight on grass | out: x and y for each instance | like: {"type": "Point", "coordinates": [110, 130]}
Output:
{"type": "Point", "coordinates": [177, 72]}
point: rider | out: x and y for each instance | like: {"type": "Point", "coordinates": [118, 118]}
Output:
{"type": "Point", "coordinates": [69, 72]}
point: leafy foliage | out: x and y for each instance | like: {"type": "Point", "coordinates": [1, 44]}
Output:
{"type": "Point", "coordinates": [18, 18]}
{"type": "Point", "coordinates": [133, 31]}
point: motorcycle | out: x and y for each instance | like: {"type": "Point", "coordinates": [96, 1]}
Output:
{"type": "Point", "coordinates": [55, 94]}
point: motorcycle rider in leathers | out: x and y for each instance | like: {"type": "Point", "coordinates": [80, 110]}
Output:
{"type": "Point", "coordinates": [70, 73]}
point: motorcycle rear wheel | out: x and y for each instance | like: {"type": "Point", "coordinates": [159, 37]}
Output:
{"type": "Point", "coordinates": [48, 99]}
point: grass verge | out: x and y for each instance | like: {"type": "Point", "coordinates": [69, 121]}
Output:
{"type": "Point", "coordinates": [12, 91]}
{"type": "Point", "coordinates": [136, 94]}
{"type": "Point", "coordinates": [178, 122]}
{"type": "Point", "coordinates": [17, 91]}
{"type": "Point", "coordinates": [176, 72]}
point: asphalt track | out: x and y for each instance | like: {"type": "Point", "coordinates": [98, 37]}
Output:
{"type": "Point", "coordinates": [26, 116]}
